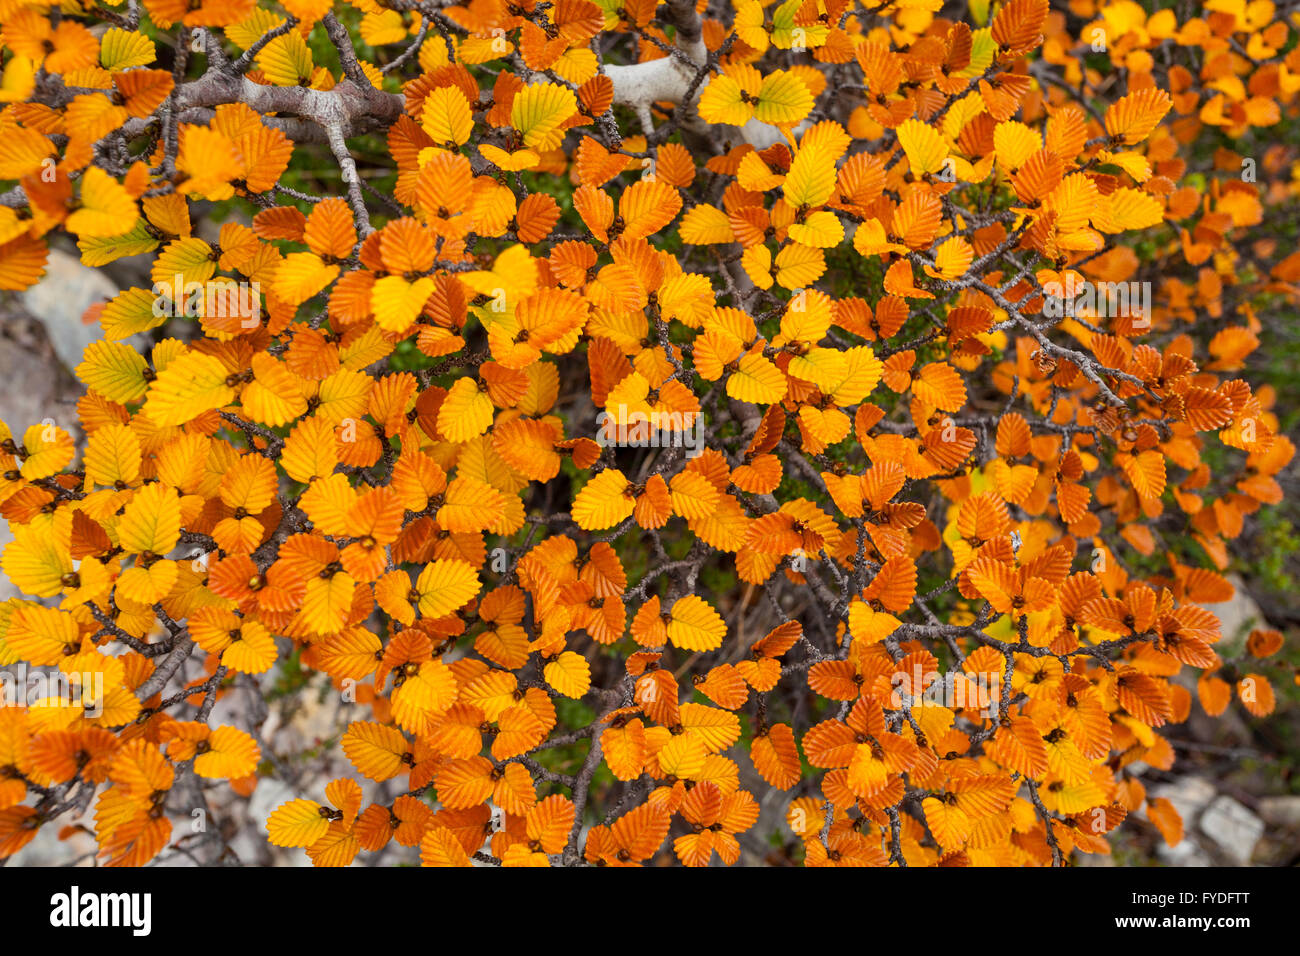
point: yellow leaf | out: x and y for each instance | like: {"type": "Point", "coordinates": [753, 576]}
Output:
{"type": "Point", "coordinates": [825, 368]}
{"type": "Point", "coordinates": [189, 386]}
{"type": "Point", "coordinates": [151, 523]}
{"type": "Point", "coordinates": [49, 449]}
{"type": "Point", "coordinates": [783, 99]}
{"type": "Point", "coordinates": [287, 61]}
{"type": "Point", "coordinates": [756, 380]}
{"type": "Point", "coordinates": [569, 674]}
{"type": "Point", "coordinates": [604, 501]}
{"type": "Point", "coordinates": [447, 118]}
{"type": "Point", "coordinates": [820, 230]}
{"type": "Point", "coordinates": [113, 370]}
{"type": "Point", "coordinates": [811, 179]}
{"type": "Point", "coordinates": [122, 49]}
{"type": "Point", "coordinates": [425, 697]}
{"type": "Point", "coordinates": [538, 112]}
{"type": "Point", "coordinates": [297, 823]}
{"type": "Point", "coordinates": [107, 209]}
{"type": "Point", "coordinates": [924, 146]}
{"type": "Point", "coordinates": [466, 411]}
{"type": "Point", "coordinates": [446, 585]}
{"type": "Point", "coordinates": [232, 754]}
{"type": "Point", "coordinates": [695, 625]}
{"type": "Point", "coordinates": [33, 561]}
{"type": "Point", "coordinates": [397, 303]}
{"type": "Point", "coordinates": [693, 495]}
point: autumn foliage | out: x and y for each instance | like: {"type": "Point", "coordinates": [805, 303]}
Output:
{"type": "Point", "coordinates": [660, 412]}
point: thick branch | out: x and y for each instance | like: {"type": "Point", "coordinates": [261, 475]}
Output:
{"type": "Point", "coordinates": [351, 108]}
{"type": "Point", "coordinates": [678, 79]}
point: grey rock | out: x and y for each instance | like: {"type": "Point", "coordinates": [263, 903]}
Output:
{"type": "Point", "coordinates": [1190, 796]}
{"type": "Point", "coordinates": [1094, 859]}
{"type": "Point", "coordinates": [1281, 811]}
{"type": "Point", "coordinates": [36, 387]}
{"type": "Point", "coordinates": [59, 300]}
{"type": "Point", "coordinates": [1186, 853]}
{"type": "Point", "coordinates": [1232, 828]}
